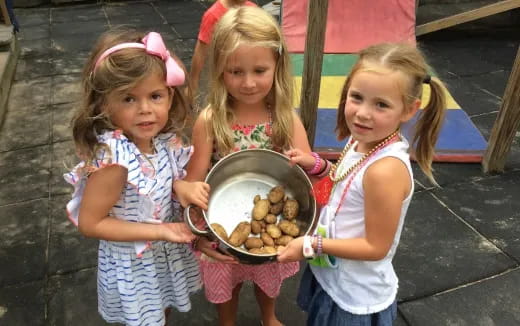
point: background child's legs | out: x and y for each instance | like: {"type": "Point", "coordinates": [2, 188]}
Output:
{"type": "Point", "coordinates": [227, 311]}
{"type": "Point", "coordinates": [267, 307]}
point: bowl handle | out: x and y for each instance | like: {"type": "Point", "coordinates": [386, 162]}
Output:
{"type": "Point", "coordinates": [188, 221]}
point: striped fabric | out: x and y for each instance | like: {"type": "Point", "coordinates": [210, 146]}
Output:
{"type": "Point", "coordinates": [137, 281]}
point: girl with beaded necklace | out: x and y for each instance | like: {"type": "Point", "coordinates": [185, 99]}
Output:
{"type": "Point", "coordinates": [350, 279]}
{"type": "Point", "coordinates": [249, 106]}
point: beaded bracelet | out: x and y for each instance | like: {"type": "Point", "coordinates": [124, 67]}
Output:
{"type": "Point", "coordinates": [317, 164]}
{"type": "Point", "coordinates": [319, 246]}
{"type": "Point", "coordinates": [326, 170]}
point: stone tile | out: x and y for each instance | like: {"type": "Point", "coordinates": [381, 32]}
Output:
{"type": "Point", "coordinates": [31, 67]}
{"type": "Point", "coordinates": [80, 13]}
{"type": "Point", "coordinates": [63, 160]}
{"type": "Point", "coordinates": [66, 89]}
{"type": "Point", "coordinates": [32, 16]}
{"type": "Point", "coordinates": [24, 229]}
{"type": "Point", "coordinates": [79, 28]}
{"type": "Point", "coordinates": [490, 302]}
{"type": "Point", "coordinates": [453, 51]}
{"type": "Point", "coordinates": [186, 30]}
{"type": "Point", "coordinates": [25, 127]}
{"type": "Point", "coordinates": [23, 304]}
{"type": "Point", "coordinates": [129, 9]}
{"type": "Point", "coordinates": [31, 93]}
{"type": "Point", "coordinates": [137, 21]}
{"type": "Point", "coordinates": [183, 48]}
{"type": "Point", "coordinates": [471, 97]}
{"type": "Point", "coordinates": [41, 47]}
{"type": "Point", "coordinates": [73, 299]}
{"type": "Point", "coordinates": [68, 44]}
{"type": "Point", "coordinates": [25, 173]}
{"type": "Point", "coordinates": [28, 33]}
{"type": "Point", "coordinates": [457, 256]}
{"type": "Point", "coordinates": [66, 64]}
{"type": "Point", "coordinates": [181, 11]}
{"type": "Point", "coordinates": [62, 115]}
{"type": "Point", "coordinates": [68, 249]}
{"type": "Point", "coordinates": [491, 206]}
{"type": "Point", "coordinates": [446, 173]}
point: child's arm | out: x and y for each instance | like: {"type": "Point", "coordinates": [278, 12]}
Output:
{"type": "Point", "coordinates": [386, 184]}
{"type": "Point", "coordinates": [197, 63]}
{"type": "Point", "coordinates": [196, 193]}
{"type": "Point", "coordinates": [199, 163]}
{"type": "Point", "coordinates": [102, 191]}
{"type": "Point", "coordinates": [300, 140]}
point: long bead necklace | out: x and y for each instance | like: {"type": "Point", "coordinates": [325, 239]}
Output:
{"type": "Point", "coordinates": [323, 188]}
{"type": "Point", "coordinates": [148, 159]}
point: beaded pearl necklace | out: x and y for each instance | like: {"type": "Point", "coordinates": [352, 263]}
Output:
{"type": "Point", "coordinates": [342, 176]}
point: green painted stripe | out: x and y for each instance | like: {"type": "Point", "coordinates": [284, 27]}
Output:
{"type": "Point", "coordinates": [333, 64]}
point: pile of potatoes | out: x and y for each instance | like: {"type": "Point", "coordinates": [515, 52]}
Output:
{"type": "Point", "coordinates": [266, 232]}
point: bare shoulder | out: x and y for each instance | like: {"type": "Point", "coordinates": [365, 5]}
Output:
{"type": "Point", "coordinates": [388, 174]}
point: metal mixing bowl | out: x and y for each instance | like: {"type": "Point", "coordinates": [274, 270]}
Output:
{"type": "Point", "coordinates": [236, 179]}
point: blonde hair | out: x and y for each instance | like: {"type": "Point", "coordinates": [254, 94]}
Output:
{"type": "Point", "coordinates": [409, 61]}
{"type": "Point", "coordinates": [254, 27]}
{"type": "Point", "coordinates": [123, 69]}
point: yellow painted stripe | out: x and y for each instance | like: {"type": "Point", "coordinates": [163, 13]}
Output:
{"type": "Point", "coordinates": [330, 92]}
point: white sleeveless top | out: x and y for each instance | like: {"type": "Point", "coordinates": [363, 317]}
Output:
{"type": "Point", "coordinates": [357, 286]}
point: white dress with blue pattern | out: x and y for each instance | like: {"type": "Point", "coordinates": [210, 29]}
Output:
{"type": "Point", "coordinates": [138, 280]}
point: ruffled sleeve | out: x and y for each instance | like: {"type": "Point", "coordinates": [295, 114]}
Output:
{"type": "Point", "coordinates": [117, 150]}
{"type": "Point", "coordinates": [178, 154]}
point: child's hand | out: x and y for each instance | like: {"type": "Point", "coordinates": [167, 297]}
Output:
{"type": "Point", "coordinates": [177, 232]}
{"type": "Point", "coordinates": [292, 252]}
{"type": "Point", "coordinates": [209, 249]}
{"type": "Point", "coordinates": [297, 156]}
{"type": "Point", "coordinates": [196, 193]}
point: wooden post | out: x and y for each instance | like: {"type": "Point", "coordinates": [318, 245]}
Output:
{"type": "Point", "coordinates": [506, 124]}
{"type": "Point", "coordinates": [312, 64]}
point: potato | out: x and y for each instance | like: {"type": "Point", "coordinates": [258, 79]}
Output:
{"type": "Point", "coordinates": [256, 227]}
{"type": "Point", "coordinates": [261, 209]}
{"type": "Point", "coordinates": [240, 234]}
{"type": "Point", "coordinates": [273, 231]}
{"type": "Point", "coordinates": [290, 209]}
{"type": "Point", "coordinates": [270, 218]}
{"type": "Point", "coordinates": [253, 242]}
{"type": "Point", "coordinates": [276, 208]}
{"type": "Point", "coordinates": [276, 194]}
{"type": "Point", "coordinates": [220, 231]}
{"type": "Point", "coordinates": [256, 199]}
{"type": "Point", "coordinates": [258, 251]}
{"type": "Point", "coordinates": [283, 240]}
{"type": "Point", "coordinates": [263, 224]}
{"type": "Point", "coordinates": [269, 250]}
{"type": "Point", "coordinates": [266, 239]}
{"type": "Point", "coordinates": [289, 228]}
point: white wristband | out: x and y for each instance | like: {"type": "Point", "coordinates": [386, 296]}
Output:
{"type": "Point", "coordinates": [308, 251]}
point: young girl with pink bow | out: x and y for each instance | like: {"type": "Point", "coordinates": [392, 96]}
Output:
{"type": "Point", "coordinates": [132, 160]}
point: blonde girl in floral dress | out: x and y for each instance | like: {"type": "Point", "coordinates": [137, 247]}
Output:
{"type": "Point", "coordinates": [250, 106]}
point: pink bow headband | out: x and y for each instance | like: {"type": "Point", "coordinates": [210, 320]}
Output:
{"type": "Point", "coordinates": [153, 44]}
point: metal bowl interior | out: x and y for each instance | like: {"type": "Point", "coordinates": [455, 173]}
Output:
{"type": "Point", "coordinates": [239, 177]}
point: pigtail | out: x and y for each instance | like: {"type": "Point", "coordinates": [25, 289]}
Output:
{"type": "Point", "coordinates": [428, 128]}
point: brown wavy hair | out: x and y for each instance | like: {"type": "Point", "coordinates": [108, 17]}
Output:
{"type": "Point", "coordinates": [408, 60]}
{"type": "Point", "coordinates": [121, 70]}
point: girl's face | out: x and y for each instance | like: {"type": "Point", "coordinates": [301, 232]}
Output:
{"type": "Point", "coordinates": [141, 112]}
{"type": "Point", "coordinates": [249, 74]}
{"type": "Point", "coordinates": [374, 107]}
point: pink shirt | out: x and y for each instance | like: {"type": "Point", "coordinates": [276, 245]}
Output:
{"type": "Point", "coordinates": [211, 17]}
